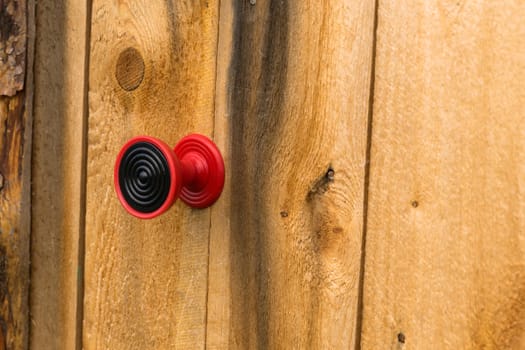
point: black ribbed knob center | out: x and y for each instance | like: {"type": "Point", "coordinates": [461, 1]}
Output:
{"type": "Point", "coordinates": [144, 177]}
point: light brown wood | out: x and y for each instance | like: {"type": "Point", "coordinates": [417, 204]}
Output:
{"type": "Point", "coordinates": [58, 174]}
{"type": "Point", "coordinates": [16, 94]}
{"type": "Point", "coordinates": [146, 281]}
{"type": "Point", "coordinates": [445, 242]}
{"type": "Point", "coordinates": [291, 115]}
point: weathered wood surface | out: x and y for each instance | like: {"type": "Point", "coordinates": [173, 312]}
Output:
{"type": "Point", "coordinates": [13, 38]}
{"type": "Point", "coordinates": [445, 243]}
{"type": "Point", "coordinates": [15, 166]}
{"type": "Point", "coordinates": [292, 116]}
{"type": "Point", "coordinates": [14, 222]}
{"type": "Point", "coordinates": [146, 281]}
{"type": "Point", "coordinates": [58, 174]}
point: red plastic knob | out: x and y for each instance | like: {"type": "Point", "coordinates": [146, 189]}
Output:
{"type": "Point", "coordinates": [149, 176]}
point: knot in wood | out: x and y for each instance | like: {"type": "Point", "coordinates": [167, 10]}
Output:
{"type": "Point", "coordinates": [130, 69]}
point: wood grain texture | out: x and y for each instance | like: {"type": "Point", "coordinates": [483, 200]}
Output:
{"type": "Point", "coordinates": [14, 223]}
{"type": "Point", "coordinates": [445, 246]}
{"type": "Point", "coordinates": [291, 114]}
{"type": "Point", "coordinates": [15, 170]}
{"type": "Point", "coordinates": [13, 39]}
{"type": "Point", "coordinates": [58, 174]}
{"type": "Point", "coordinates": [146, 281]}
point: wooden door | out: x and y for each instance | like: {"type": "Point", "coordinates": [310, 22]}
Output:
{"type": "Point", "coordinates": [373, 198]}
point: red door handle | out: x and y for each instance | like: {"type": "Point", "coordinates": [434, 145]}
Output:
{"type": "Point", "coordinates": [149, 176]}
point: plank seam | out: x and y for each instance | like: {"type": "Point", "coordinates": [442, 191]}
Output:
{"type": "Point", "coordinates": [213, 138]}
{"type": "Point", "coordinates": [27, 163]}
{"type": "Point", "coordinates": [83, 184]}
{"type": "Point", "coordinates": [359, 319]}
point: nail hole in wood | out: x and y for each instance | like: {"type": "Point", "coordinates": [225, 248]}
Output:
{"type": "Point", "coordinates": [401, 338]}
{"type": "Point", "coordinates": [321, 185]}
{"type": "Point", "coordinates": [330, 174]}
{"type": "Point", "coordinates": [130, 69]}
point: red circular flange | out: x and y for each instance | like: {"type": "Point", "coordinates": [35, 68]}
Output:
{"type": "Point", "coordinates": [175, 173]}
{"type": "Point", "coordinates": [207, 184]}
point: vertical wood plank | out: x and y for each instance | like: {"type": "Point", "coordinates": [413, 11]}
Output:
{"type": "Point", "coordinates": [14, 222]}
{"type": "Point", "coordinates": [146, 281]}
{"type": "Point", "coordinates": [58, 174]}
{"type": "Point", "coordinates": [292, 116]}
{"type": "Point", "coordinates": [16, 93]}
{"type": "Point", "coordinates": [445, 250]}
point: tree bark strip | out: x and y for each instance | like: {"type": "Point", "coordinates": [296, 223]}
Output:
{"type": "Point", "coordinates": [15, 151]}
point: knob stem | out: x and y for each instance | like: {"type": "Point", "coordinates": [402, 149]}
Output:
{"type": "Point", "coordinates": [188, 171]}
{"type": "Point", "coordinates": [194, 171]}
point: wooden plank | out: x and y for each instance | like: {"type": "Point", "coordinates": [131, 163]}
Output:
{"type": "Point", "coordinates": [14, 223]}
{"type": "Point", "coordinates": [445, 245]}
{"type": "Point", "coordinates": [58, 174]}
{"type": "Point", "coordinates": [16, 39]}
{"type": "Point", "coordinates": [291, 114]}
{"type": "Point", "coordinates": [146, 281]}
